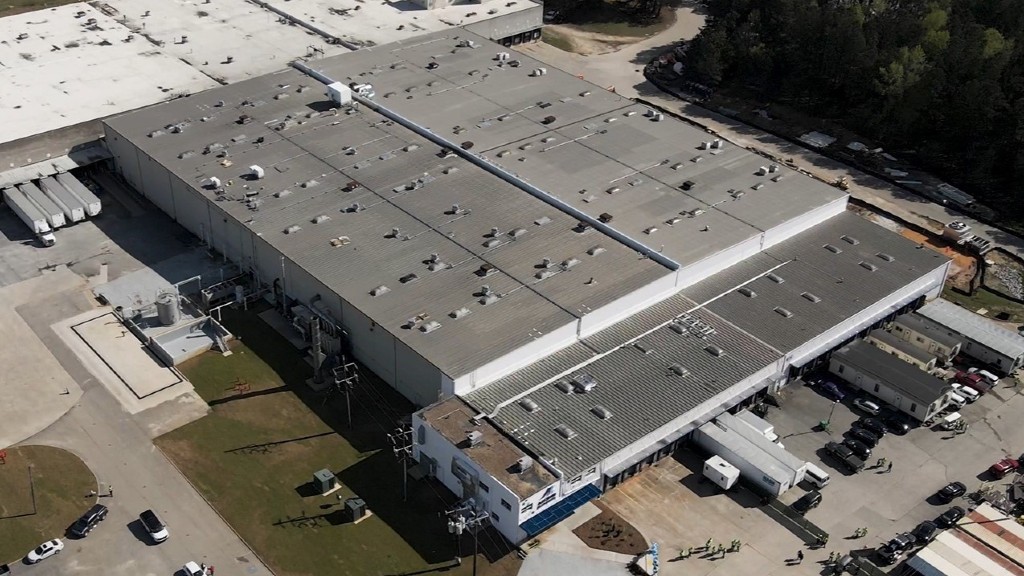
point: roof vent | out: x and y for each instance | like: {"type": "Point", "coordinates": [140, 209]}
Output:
{"type": "Point", "coordinates": [564, 386]}
{"type": "Point", "coordinates": [489, 299]}
{"type": "Point", "coordinates": [850, 240]}
{"type": "Point", "coordinates": [582, 228]}
{"type": "Point", "coordinates": [475, 438]}
{"type": "Point", "coordinates": [523, 464]}
{"type": "Point", "coordinates": [715, 350]}
{"type": "Point", "coordinates": [460, 313]}
{"type": "Point", "coordinates": [544, 274]}
{"type": "Point", "coordinates": [565, 432]}
{"type": "Point", "coordinates": [868, 266]}
{"type": "Point", "coordinates": [605, 217]}
{"type": "Point", "coordinates": [429, 327]}
{"type": "Point", "coordinates": [783, 312]}
{"type": "Point", "coordinates": [282, 193]}
{"type": "Point", "coordinates": [491, 242]}
{"type": "Point", "coordinates": [292, 229]}
{"type": "Point", "coordinates": [408, 278]}
{"type": "Point", "coordinates": [583, 383]}
{"type": "Point", "coordinates": [516, 233]}
{"type": "Point", "coordinates": [321, 218]}
{"type": "Point", "coordinates": [595, 250]}
{"type": "Point", "coordinates": [601, 412]}
{"type": "Point", "coordinates": [529, 405]}
{"type": "Point", "coordinates": [833, 249]}
{"type": "Point", "coordinates": [747, 292]}
{"type": "Point", "coordinates": [485, 270]}
{"type": "Point", "coordinates": [569, 263]}
{"type": "Point", "coordinates": [678, 370]}
{"type": "Point", "coordinates": [542, 221]}
{"type": "Point", "coordinates": [677, 327]}
{"type": "Point", "coordinates": [775, 278]}
{"type": "Point", "coordinates": [673, 220]}
{"type": "Point", "coordinates": [885, 257]}
{"type": "Point", "coordinates": [688, 185]}
{"type": "Point", "coordinates": [355, 207]}
{"type": "Point", "coordinates": [544, 263]}
{"type": "Point", "coordinates": [380, 290]}
{"type": "Point", "coordinates": [811, 297]}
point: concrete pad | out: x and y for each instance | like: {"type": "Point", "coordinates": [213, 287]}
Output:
{"type": "Point", "coordinates": [544, 562]}
{"type": "Point", "coordinates": [34, 388]}
{"type": "Point", "coordinates": [51, 74]}
{"type": "Point", "coordinates": [130, 360]}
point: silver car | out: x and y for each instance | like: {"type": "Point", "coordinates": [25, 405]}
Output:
{"type": "Point", "coordinates": [869, 407]}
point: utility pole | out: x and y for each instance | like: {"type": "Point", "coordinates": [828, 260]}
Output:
{"type": "Point", "coordinates": [401, 444]}
{"type": "Point", "coordinates": [465, 517]}
{"type": "Point", "coordinates": [344, 377]}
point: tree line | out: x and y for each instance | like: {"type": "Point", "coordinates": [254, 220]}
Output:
{"type": "Point", "coordinates": [939, 81]}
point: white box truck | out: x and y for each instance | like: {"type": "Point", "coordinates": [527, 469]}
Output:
{"type": "Point", "coordinates": [89, 200]}
{"type": "Point", "coordinates": [723, 474]}
{"type": "Point", "coordinates": [30, 215]}
{"type": "Point", "coordinates": [758, 468]}
{"type": "Point", "coordinates": [54, 215]}
{"type": "Point", "coordinates": [74, 210]}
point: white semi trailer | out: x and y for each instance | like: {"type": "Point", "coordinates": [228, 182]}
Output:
{"type": "Point", "coordinates": [74, 210]}
{"type": "Point", "coordinates": [30, 215]}
{"type": "Point", "coordinates": [54, 215]}
{"type": "Point", "coordinates": [88, 199]}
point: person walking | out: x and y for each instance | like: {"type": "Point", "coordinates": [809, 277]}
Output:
{"type": "Point", "coordinates": [110, 491]}
{"type": "Point", "coordinates": [707, 545]}
{"type": "Point", "coordinates": [799, 556]}
{"type": "Point", "coordinates": [889, 469]}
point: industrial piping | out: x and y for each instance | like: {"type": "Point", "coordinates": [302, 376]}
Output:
{"type": "Point", "coordinates": [498, 171]}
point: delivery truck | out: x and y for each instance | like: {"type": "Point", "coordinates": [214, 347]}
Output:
{"type": "Point", "coordinates": [53, 214]}
{"type": "Point", "coordinates": [30, 215]}
{"type": "Point", "coordinates": [74, 210]}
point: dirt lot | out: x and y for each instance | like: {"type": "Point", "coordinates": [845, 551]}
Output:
{"type": "Point", "coordinates": [965, 266]}
{"type": "Point", "coordinates": [609, 531]}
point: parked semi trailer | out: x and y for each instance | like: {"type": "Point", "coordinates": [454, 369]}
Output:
{"type": "Point", "coordinates": [30, 215]}
{"type": "Point", "coordinates": [54, 215]}
{"type": "Point", "coordinates": [88, 199]}
{"type": "Point", "coordinates": [74, 210]}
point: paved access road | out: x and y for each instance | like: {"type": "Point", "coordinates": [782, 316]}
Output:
{"type": "Point", "coordinates": [623, 70]}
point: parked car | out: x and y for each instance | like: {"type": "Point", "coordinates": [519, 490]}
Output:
{"type": "Point", "coordinates": [973, 381]}
{"type": "Point", "coordinates": [192, 569]}
{"type": "Point", "coordinates": [969, 394]}
{"type": "Point", "coordinates": [925, 532]}
{"type": "Point", "coordinates": [991, 378]}
{"type": "Point", "coordinates": [833, 390]}
{"type": "Point", "coordinates": [897, 422]}
{"type": "Point", "coordinates": [88, 521]}
{"type": "Point", "coordinates": [869, 407]}
{"type": "Point", "coordinates": [857, 447]}
{"type": "Point", "coordinates": [951, 491]}
{"type": "Point", "coordinates": [956, 401]}
{"type": "Point", "coordinates": [1003, 467]}
{"type": "Point", "coordinates": [950, 517]}
{"type": "Point", "coordinates": [807, 502]}
{"type": "Point", "coordinates": [867, 437]}
{"type": "Point", "coordinates": [4, 569]}
{"type": "Point", "coordinates": [154, 526]}
{"type": "Point", "coordinates": [875, 425]}
{"type": "Point", "coordinates": [44, 551]}
{"type": "Point", "coordinates": [893, 550]}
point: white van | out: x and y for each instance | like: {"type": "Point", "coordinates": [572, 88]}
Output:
{"type": "Point", "coordinates": [816, 476]}
{"type": "Point", "coordinates": [957, 400]}
{"type": "Point", "coordinates": [990, 377]}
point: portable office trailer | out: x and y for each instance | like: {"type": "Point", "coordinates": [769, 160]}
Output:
{"type": "Point", "coordinates": [53, 213]}
{"type": "Point", "coordinates": [757, 467]}
{"type": "Point", "coordinates": [74, 210]}
{"type": "Point", "coordinates": [723, 474]}
{"type": "Point", "coordinates": [89, 200]}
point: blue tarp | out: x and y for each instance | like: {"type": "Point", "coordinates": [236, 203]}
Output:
{"type": "Point", "coordinates": [560, 511]}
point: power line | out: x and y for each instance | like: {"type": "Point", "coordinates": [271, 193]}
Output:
{"type": "Point", "coordinates": [401, 445]}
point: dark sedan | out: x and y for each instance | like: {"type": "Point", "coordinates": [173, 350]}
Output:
{"type": "Point", "coordinates": [950, 517]}
{"type": "Point", "coordinates": [875, 425]}
{"type": "Point", "coordinates": [925, 532]}
{"type": "Point", "coordinates": [951, 491]}
{"type": "Point", "coordinates": [866, 437]}
{"type": "Point", "coordinates": [862, 450]}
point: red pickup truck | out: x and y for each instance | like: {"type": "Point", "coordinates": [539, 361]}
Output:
{"type": "Point", "coordinates": [1003, 467]}
{"type": "Point", "coordinates": [972, 381]}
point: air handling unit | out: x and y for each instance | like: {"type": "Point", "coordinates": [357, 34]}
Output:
{"type": "Point", "coordinates": [339, 93]}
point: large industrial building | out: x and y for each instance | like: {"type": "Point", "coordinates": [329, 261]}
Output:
{"type": "Point", "coordinates": [568, 280]}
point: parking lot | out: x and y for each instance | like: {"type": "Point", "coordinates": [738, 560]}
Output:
{"type": "Point", "coordinates": [670, 505]}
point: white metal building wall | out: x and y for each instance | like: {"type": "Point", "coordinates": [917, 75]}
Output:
{"type": "Point", "coordinates": [544, 346]}
{"type": "Point", "coordinates": [804, 221]}
{"type": "Point", "coordinates": [626, 306]}
{"type": "Point", "coordinates": [717, 262]}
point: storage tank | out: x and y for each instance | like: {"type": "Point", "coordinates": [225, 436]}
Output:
{"type": "Point", "coordinates": [167, 309]}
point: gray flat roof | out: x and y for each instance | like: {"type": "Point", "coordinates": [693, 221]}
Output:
{"type": "Point", "coordinates": [895, 373]}
{"type": "Point", "coordinates": [637, 385]}
{"type": "Point", "coordinates": [495, 453]}
{"type": "Point", "coordinates": [310, 154]}
{"type": "Point", "coordinates": [589, 147]}
{"type": "Point", "coordinates": [933, 330]}
{"type": "Point", "coordinates": [978, 328]}
{"type": "Point", "coordinates": [820, 288]}
{"type": "Point", "coordinates": [902, 345]}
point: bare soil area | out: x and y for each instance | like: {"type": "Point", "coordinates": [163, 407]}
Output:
{"type": "Point", "coordinates": [608, 531]}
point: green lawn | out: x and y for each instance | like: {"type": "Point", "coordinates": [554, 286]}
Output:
{"type": "Point", "coordinates": [9, 7]}
{"type": "Point", "coordinates": [560, 41]}
{"type": "Point", "coordinates": [254, 457]}
{"type": "Point", "coordinates": [62, 485]}
{"type": "Point", "coordinates": [611, 18]}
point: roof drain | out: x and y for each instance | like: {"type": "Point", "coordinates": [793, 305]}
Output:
{"type": "Point", "coordinates": [485, 164]}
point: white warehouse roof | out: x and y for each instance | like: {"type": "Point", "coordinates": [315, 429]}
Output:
{"type": "Point", "coordinates": [978, 328]}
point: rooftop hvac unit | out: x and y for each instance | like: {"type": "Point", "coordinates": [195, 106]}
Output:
{"type": "Point", "coordinates": [324, 481]}
{"type": "Point", "coordinates": [256, 172]}
{"type": "Point", "coordinates": [583, 383]}
{"type": "Point", "coordinates": [716, 144]}
{"type": "Point", "coordinates": [355, 508]}
{"type": "Point", "coordinates": [475, 438]}
{"type": "Point", "coordinates": [524, 464]}
{"type": "Point", "coordinates": [763, 170]}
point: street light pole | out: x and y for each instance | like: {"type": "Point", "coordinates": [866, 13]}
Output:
{"type": "Point", "coordinates": [832, 411]}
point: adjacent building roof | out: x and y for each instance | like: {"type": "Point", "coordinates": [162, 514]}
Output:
{"type": "Point", "coordinates": [902, 345]}
{"type": "Point", "coordinates": [930, 329]}
{"type": "Point", "coordinates": [495, 453]}
{"type": "Point", "coordinates": [985, 543]}
{"type": "Point", "coordinates": [908, 379]}
{"type": "Point", "coordinates": [637, 389]}
{"type": "Point", "coordinates": [978, 328]}
{"type": "Point", "coordinates": [794, 291]}
{"type": "Point", "coordinates": [372, 211]}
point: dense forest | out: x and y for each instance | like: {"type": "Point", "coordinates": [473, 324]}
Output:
{"type": "Point", "coordinates": [941, 81]}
